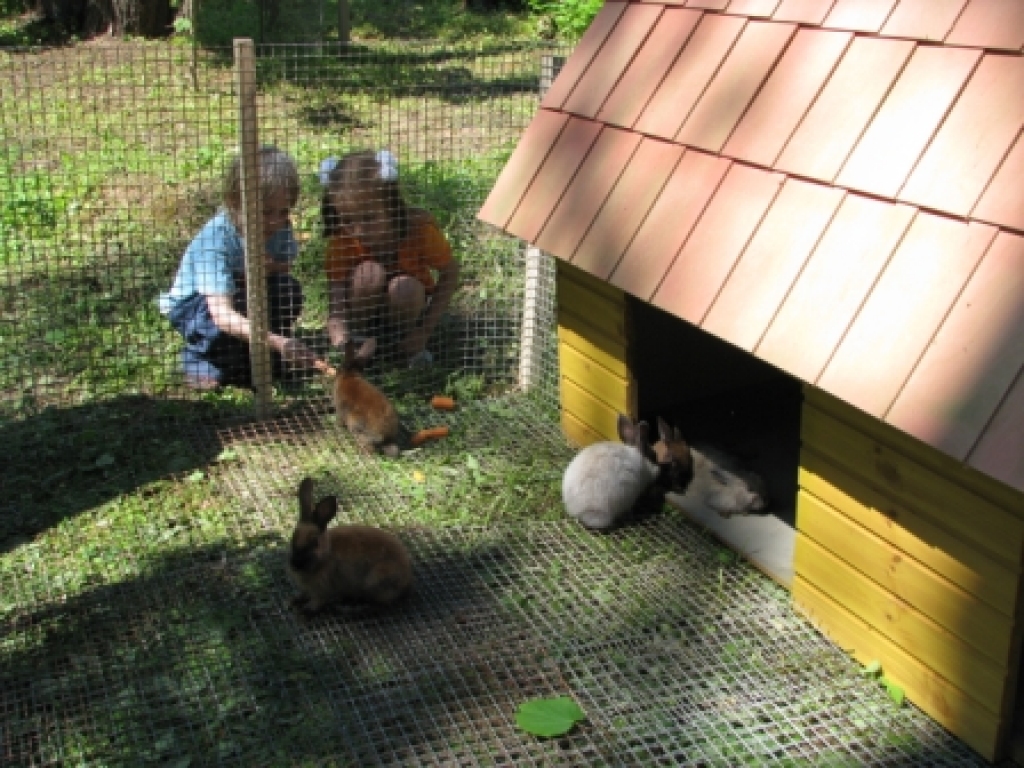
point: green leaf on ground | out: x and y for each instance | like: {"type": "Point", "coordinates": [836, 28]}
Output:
{"type": "Point", "coordinates": [549, 717]}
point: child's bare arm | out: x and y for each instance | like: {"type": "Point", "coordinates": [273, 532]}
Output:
{"type": "Point", "coordinates": [447, 282]}
{"type": "Point", "coordinates": [235, 324]}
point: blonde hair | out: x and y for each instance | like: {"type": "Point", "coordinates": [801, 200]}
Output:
{"type": "Point", "coordinates": [356, 182]}
{"type": "Point", "coordinates": [278, 172]}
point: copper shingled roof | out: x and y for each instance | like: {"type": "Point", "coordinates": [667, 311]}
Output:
{"type": "Point", "coordinates": [836, 186]}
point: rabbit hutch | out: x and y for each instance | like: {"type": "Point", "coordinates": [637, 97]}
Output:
{"type": "Point", "coordinates": [797, 227]}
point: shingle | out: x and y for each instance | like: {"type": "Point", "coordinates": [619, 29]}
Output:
{"type": "Point", "coordinates": [859, 15]}
{"type": "Point", "coordinates": [803, 11]}
{"type": "Point", "coordinates": [909, 117]}
{"type": "Point", "coordinates": [695, 278]}
{"type": "Point", "coordinates": [838, 276]}
{"type": "Point", "coordinates": [990, 24]}
{"type": "Point", "coordinates": [615, 55]}
{"type": "Point", "coordinates": [786, 97]}
{"type": "Point", "coordinates": [688, 77]}
{"type": "Point", "coordinates": [554, 175]}
{"type": "Point", "coordinates": [1003, 201]}
{"type": "Point", "coordinates": [771, 262]}
{"type": "Point", "coordinates": [626, 207]}
{"type": "Point", "coordinates": [517, 174]}
{"type": "Point", "coordinates": [730, 92]}
{"type": "Point", "coordinates": [650, 66]}
{"type": "Point", "coordinates": [998, 452]}
{"type": "Point", "coordinates": [973, 359]}
{"type": "Point", "coordinates": [711, 5]}
{"type": "Point", "coordinates": [973, 140]}
{"type": "Point", "coordinates": [923, 19]}
{"type": "Point", "coordinates": [823, 140]}
{"type": "Point", "coordinates": [669, 223]}
{"type": "Point", "coordinates": [903, 311]}
{"type": "Point", "coordinates": [584, 52]}
{"type": "Point", "coordinates": [753, 8]}
{"type": "Point", "coordinates": [587, 191]}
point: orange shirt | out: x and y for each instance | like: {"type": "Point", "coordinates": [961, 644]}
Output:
{"type": "Point", "coordinates": [424, 249]}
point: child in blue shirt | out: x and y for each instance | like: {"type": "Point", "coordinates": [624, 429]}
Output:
{"type": "Point", "coordinates": [207, 302]}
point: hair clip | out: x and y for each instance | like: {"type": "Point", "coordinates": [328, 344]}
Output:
{"type": "Point", "coordinates": [388, 165]}
{"type": "Point", "coordinates": [326, 166]}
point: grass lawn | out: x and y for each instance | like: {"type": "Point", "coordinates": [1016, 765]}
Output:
{"type": "Point", "coordinates": [144, 615]}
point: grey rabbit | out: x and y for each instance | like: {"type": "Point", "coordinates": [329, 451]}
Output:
{"type": "Point", "coordinates": [605, 480]}
{"type": "Point", "coordinates": [346, 563]}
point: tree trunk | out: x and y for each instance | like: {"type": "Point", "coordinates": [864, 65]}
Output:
{"type": "Point", "coordinates": [88, 18]}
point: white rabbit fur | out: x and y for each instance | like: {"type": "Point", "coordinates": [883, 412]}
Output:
{"type": "Point", "coordinates": [722, 485]}
{"type": "Point", "coordinates": [605, 480]}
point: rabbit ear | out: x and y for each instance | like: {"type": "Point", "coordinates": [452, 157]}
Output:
{"type": "Point", "coordinates": [325, 511]}
{"type": "Point", "coordinates": [666, 431]}
{"type": "Point", "coordinates": [641, 436]}
{"type": "Point", "coordinates": [306, 501]}
{"type": "Point", "coordinates": [627, 430]}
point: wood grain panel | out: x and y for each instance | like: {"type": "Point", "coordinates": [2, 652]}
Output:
{"type": "Point", "coordinates": [956, 610]}
{"type": "Point", "coordinates": [934, 646]}
{"type": "Point", "coordinates": [925, 539]}
{"type": "Point", "coordinates": [927, 688]}
{"type": "Point", "coordinates": [595, 379]}
{"type": "Point", "coordinates": [988, 527]}
{"type": "Point", "coordinates": [595, 414]}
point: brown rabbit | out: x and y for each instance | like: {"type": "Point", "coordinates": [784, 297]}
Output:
{"type": "Point", "coordinates": [346, 563]}
{"type": "Point", "coordinates": [369, 415]}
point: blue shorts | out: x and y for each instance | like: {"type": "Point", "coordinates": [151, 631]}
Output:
{"type": "Point", "coordinates": [210, 355]}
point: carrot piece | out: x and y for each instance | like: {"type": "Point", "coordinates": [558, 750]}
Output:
{"type": "Point", "coordinates": [434, 433]}
{"type": "Point", "coordinates": [442, 403]}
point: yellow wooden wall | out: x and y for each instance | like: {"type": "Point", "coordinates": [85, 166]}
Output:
{"type": "Point", "coordinates": [906, 557]}
{"type": "Point", "coordinates": [594, 377]}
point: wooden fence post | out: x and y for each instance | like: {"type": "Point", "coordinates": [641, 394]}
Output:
{"type": "Point", "coordinates": [252, 224]}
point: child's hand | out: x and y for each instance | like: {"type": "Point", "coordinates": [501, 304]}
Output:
{"type": "Point", "coordinates": [297, 354]}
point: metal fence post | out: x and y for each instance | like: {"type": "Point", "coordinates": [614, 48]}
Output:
{"type": "Point", "coordinates": [530, 347]}
{"type": "Point", "coordinates": [252, 223]}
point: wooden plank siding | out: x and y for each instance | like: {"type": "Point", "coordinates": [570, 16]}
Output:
{"type": "Point", "coordinates": [906, 557]}
{"type": "Point", "coordinates": [595, 382]}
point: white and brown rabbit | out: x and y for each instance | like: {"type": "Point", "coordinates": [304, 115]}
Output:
{"type": "Point", "coordinates": [346, 563]}
{"type": "Point", "coordinates": [368, 413]}
{"type": "Point", "coordinates": [605, 481]}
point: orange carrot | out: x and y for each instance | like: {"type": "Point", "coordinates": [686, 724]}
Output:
{"type": "Point", "coordinates": [442, 403]}
{"type": "Point", "coordinates": [434, 433]}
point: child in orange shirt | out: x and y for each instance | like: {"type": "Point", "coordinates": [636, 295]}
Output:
{"type": "Point", "coordinates": [381, 260]}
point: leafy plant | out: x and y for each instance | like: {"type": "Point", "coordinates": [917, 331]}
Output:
{"type": "Point", "coordinates": [571, 17]}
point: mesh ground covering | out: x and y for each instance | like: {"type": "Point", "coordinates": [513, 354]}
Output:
{"type": "Point", "coordinates": [678, 653]}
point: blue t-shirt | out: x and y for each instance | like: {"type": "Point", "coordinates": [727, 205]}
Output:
{"type": "Point", "coordinates": [214, 261]}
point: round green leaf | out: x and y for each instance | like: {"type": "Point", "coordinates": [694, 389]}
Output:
{"type": "Point", "coordinates": [549, 717]}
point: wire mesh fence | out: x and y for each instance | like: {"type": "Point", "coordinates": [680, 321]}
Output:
{"type": "Point", "coordinates": [115, 156]}
{"type": "Point", "coordinates": [144, 524]}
